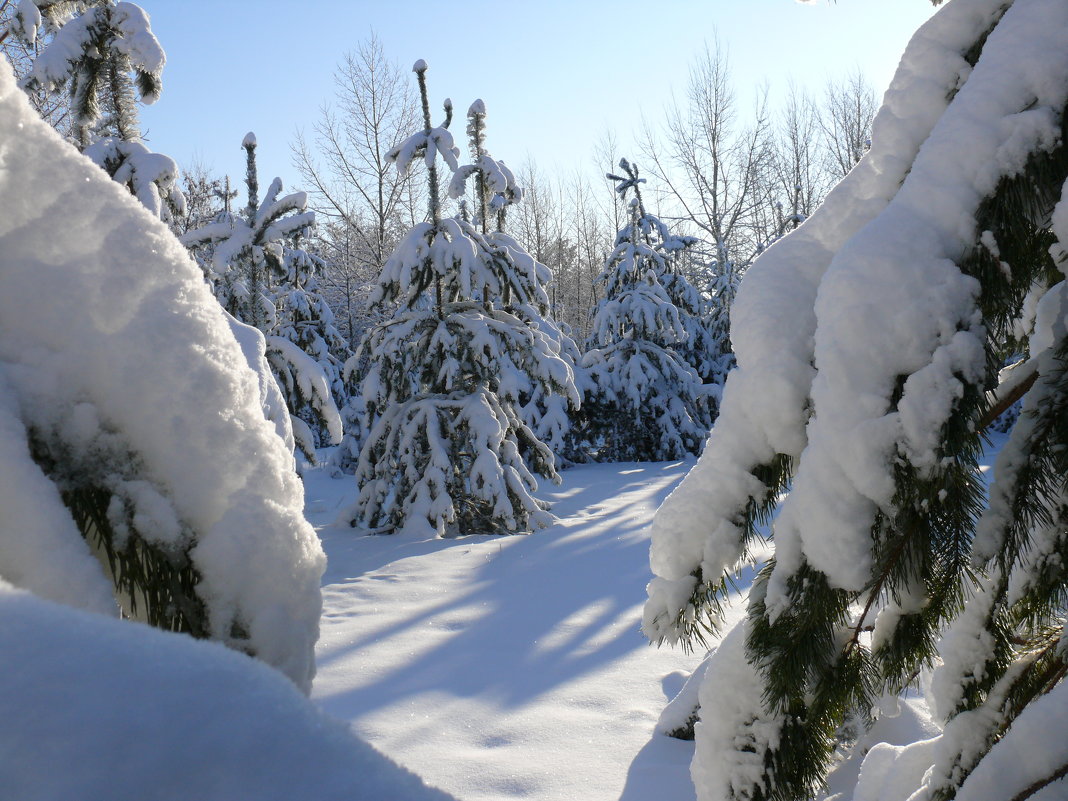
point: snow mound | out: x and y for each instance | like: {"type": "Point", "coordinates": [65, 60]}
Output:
{"type": "Point", "coordinates": [97, 709]}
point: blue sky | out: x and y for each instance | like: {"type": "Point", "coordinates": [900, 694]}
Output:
{"type": "Point", "coordinates": [554, 74]}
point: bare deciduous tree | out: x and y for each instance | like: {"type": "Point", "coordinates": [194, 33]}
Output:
{"type": "Point", "coordinates": [713, 166]}
{"type": "Point", "coordinates": [845, 119]}
{"type": "Point", "coordinates": [798, 178]}
{"type": "Point", "coordinates": [363, 203]}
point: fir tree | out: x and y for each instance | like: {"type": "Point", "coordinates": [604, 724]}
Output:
{"type": "Point", "coordinates": [104, 54]}
{"type": "Point", "coordinates": [647, 403]}
{"type": "Point", "coordinates": [445, 444]}
{"type": "Point", "coordinates": [262, 276]}
{"type": "Point", "coordinates": [868, 343]}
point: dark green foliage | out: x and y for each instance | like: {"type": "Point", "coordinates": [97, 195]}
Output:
{"type": "Point", "coordinates": [153, 582]}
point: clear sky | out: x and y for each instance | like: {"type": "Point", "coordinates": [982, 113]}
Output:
{"type": "Point", "coordinates": [554, 74]}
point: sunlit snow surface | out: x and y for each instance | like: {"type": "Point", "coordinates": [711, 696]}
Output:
{"type": "Point", "coordinates": [508, 667]}
{"type": "Point", "coordinates": [514, 668]}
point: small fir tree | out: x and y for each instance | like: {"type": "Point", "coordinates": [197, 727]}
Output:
{"type": "Point", "coordinates": [264, 278]}
{"type": "Point", "coordinates": [647, 402]}
{"type": "Point", "coordinates": [445, 443]}
{"type": "Point", "coordinates": [95, 46]}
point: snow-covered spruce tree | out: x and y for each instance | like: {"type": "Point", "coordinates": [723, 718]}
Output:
{"type": "Point", "coordinates": [262, 277]}
{"type": "Point", "coordinates": [646, 402]}
{"type": "Point", "coordinates": [130, 425]}
{"type": "Point", "coordinates": [95, 45]}
{"type": "Point", "coordinates": [546, 412]}
{"type": "Point", "coordinates": [868, 346]}
{"type": "Point", "coordinates": [444, 450]}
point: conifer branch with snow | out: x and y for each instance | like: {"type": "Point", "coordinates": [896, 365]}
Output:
{"type": "Point", "coordinates": [129, 418]}
{"type": "Point", "coordinates": [868, 341]}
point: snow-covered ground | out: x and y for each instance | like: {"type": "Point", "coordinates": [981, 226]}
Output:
{"type": "Point", "coordinates": [513, 667]}
{"type": "Point", "coordinates": [508, 667]}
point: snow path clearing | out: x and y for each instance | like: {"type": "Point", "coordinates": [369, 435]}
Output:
{"type": "Point", "coordinates": [508, 667]}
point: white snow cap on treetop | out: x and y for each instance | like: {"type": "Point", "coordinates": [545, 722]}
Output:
{"type": "Point", "coordinates": [249, 140]}
{"type": "Point", "coordinates": [478, 107]}
{"type": "Point", "coordinates": [419, 66]}
{"type": "Point", "coordinates": [137, 40]}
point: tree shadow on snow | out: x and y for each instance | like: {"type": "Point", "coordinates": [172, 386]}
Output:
{"type": "Point", "coordinates": [660, 770]}
{"type": "Point", "coordinates": [510, 617]}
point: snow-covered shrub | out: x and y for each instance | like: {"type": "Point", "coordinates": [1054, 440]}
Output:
{"type": "Point", "coordinates": [868, 345]}
{"type": "Point", "coordinates": [132, 418]}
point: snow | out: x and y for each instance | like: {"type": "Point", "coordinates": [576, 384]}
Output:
{"type": "Point", "coordinates": [1025, 755]}
{"type": "Point", "coordinates": [151, 177]}
{"type": "Point", "coordinates": [126, 27]}
{"type": "Point", "coordinates": [308, 374]}
{"type": "Point", "coordinates": [893, 303]}
{"type": "Point", "coordinates": [105, 710]}
{"type": "Point", "coordinates": [733, 741]}
{"type": "Point", "coordinates": [254, 347]}
{"type": "Point", "coordinates": [137, 41]}
{"type": "Point", "coordinates": [26, 22]}
{"type": "Point", "coordinates": [249, 140]}
{"type": "Point", "coordinates": [507, 667]}
{"type": "Point", "coordinates": [131, 370]}
{"type": "Point", "coordinates": [51, 66]}
{"type": "Point", "coordinates": [893, 772]}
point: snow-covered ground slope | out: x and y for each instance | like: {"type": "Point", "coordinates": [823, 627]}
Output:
{"type": "Point", "coordinates": [508, 667]}
{"type": "Point", "coordinates": [98, 709]}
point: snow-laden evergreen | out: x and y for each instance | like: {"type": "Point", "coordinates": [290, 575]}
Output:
{"type": "Point", "coordinates": [264, 278]}
{"type": "Point", "coordinates": [868, 344]}
{"type": "Point", "coordinates": [92, 48]}
{"type": "Point", "coordinates": [646, 402]}
{"type": "Point", "coordinates": [447, 451]}
{"type": "Point", "coordinates": [132, 421]}
{"type": "Point", "coordinates": [547, 413]}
